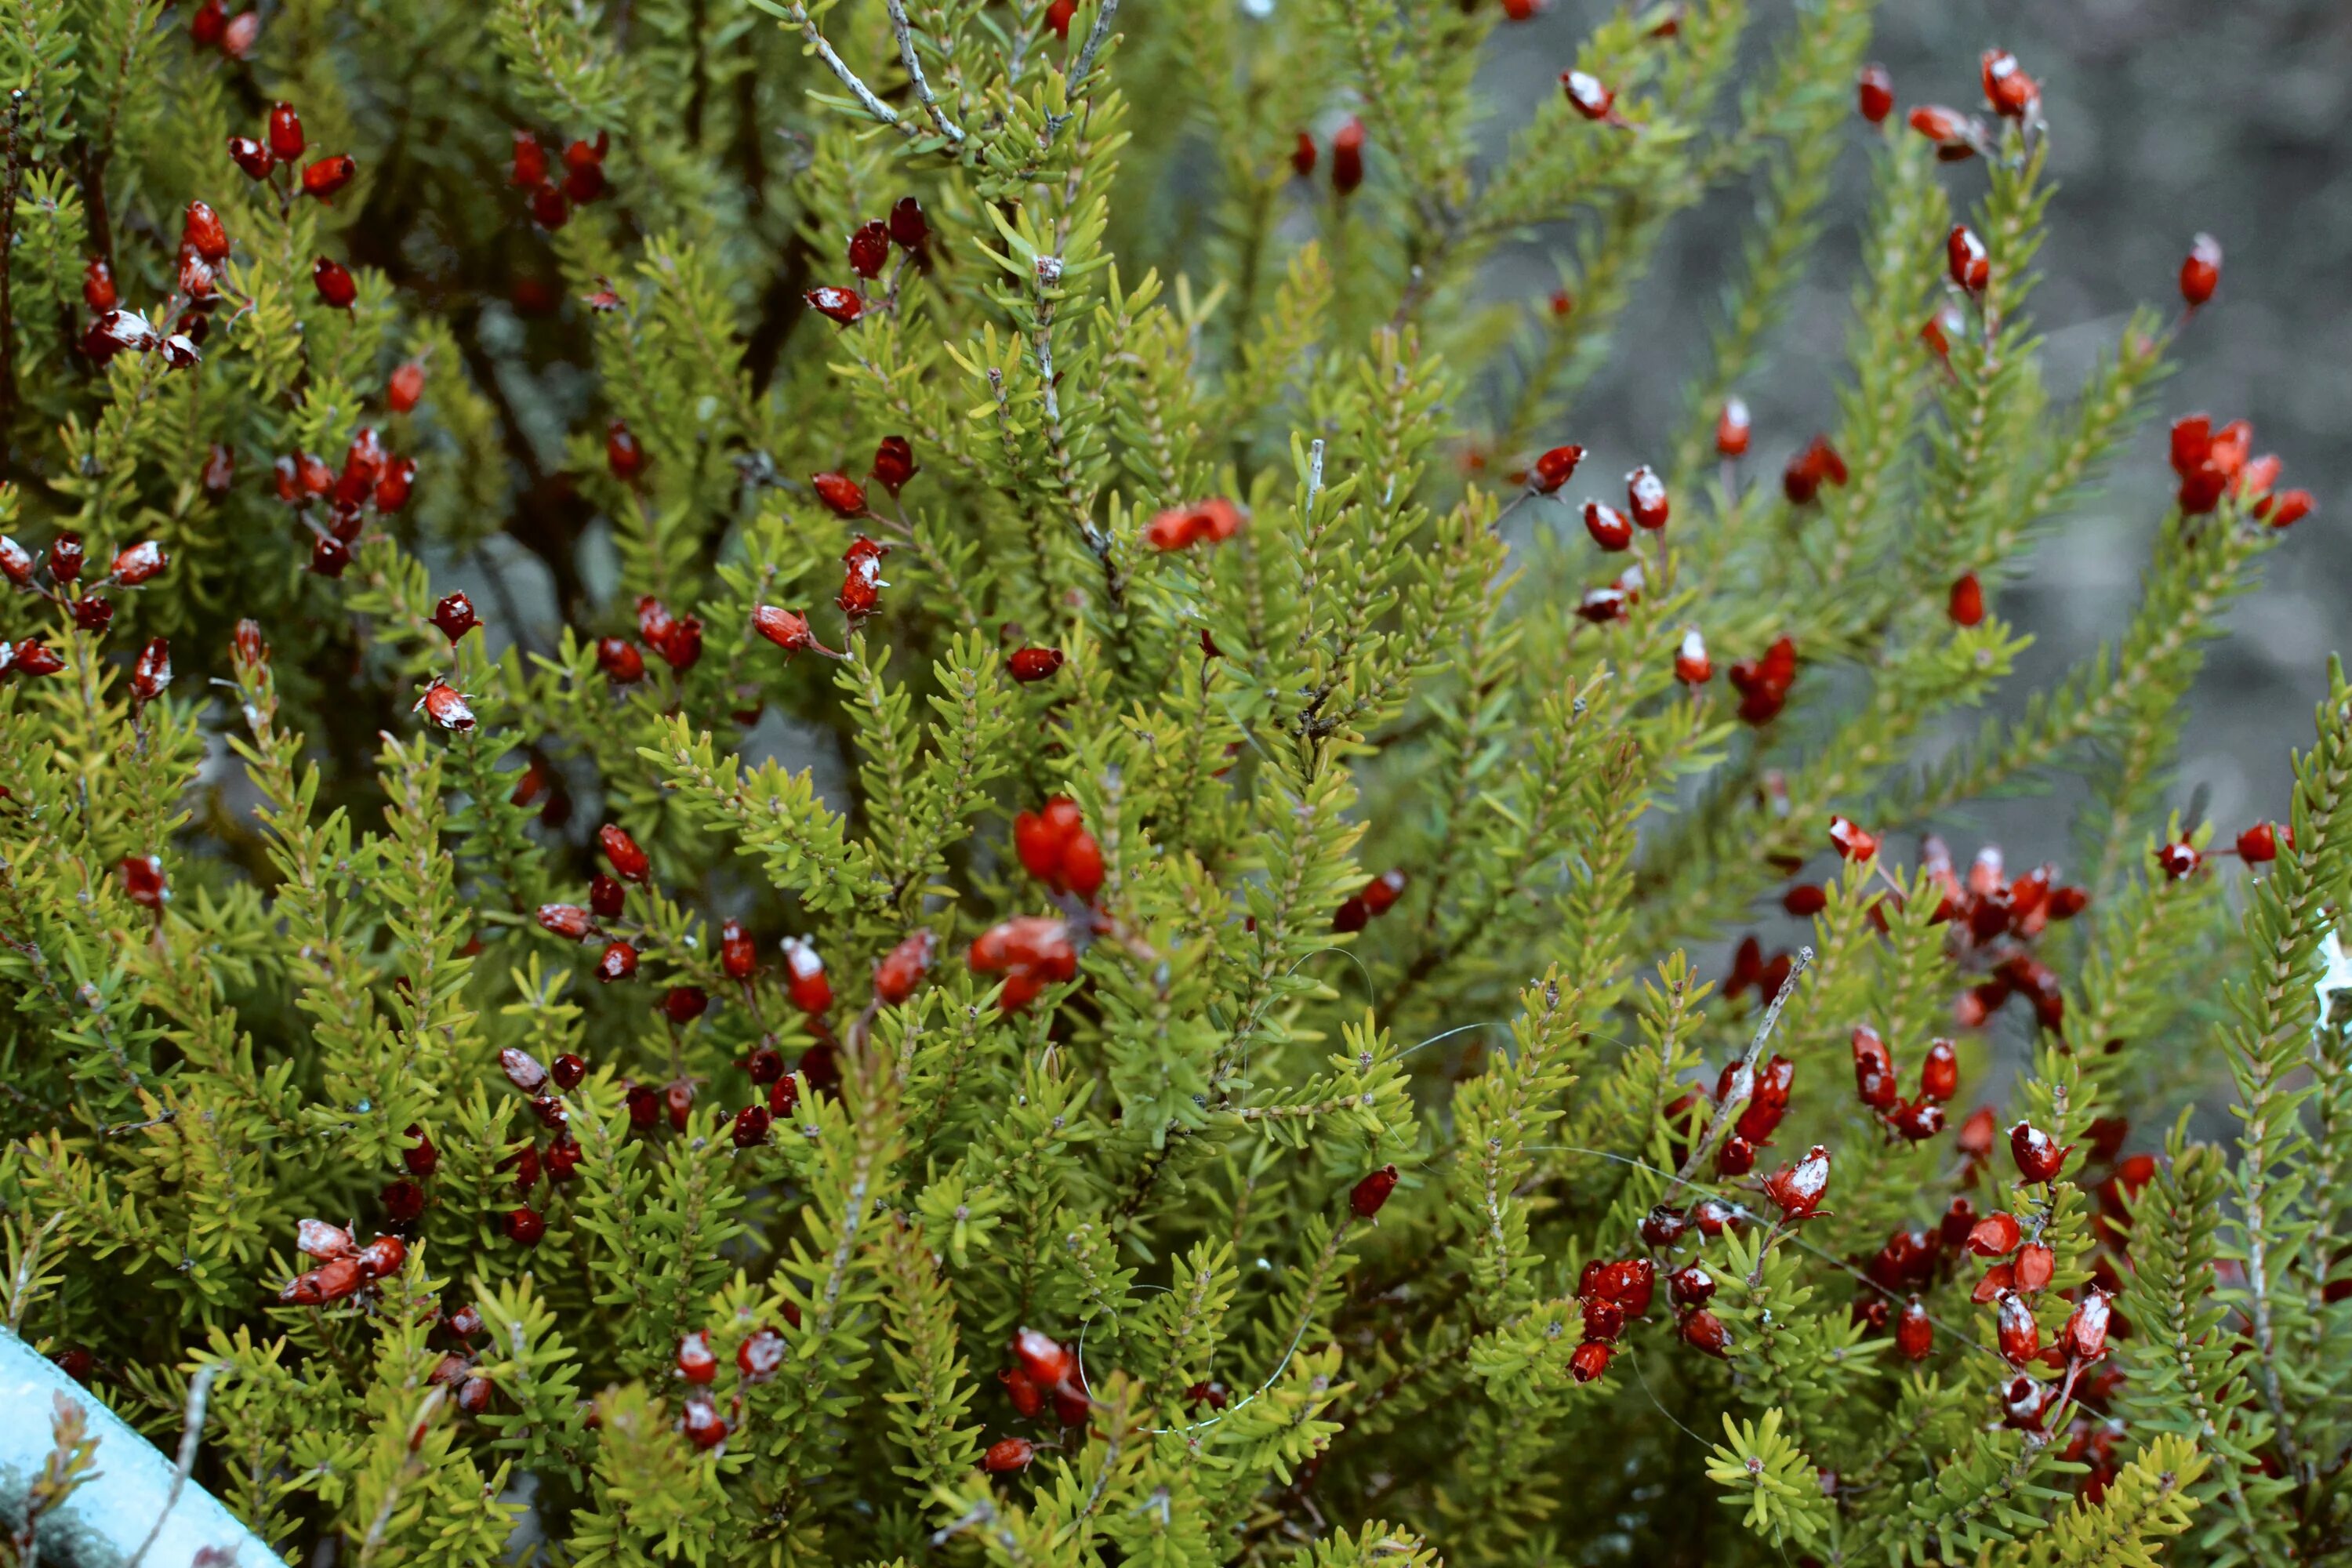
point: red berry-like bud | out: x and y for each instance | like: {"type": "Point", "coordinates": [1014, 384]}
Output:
{"type": "Point", "coordinates": [1805, 900]}
{"type": "Point", "coordinates": [735, 953]}
{"type": "Point", "coordinates": [1874, 94]}
{"type": "Point", "coordinates": [455, 616]}
{"type": "Point", "coordinates": [1939, 1077]}
{"type": "Point", "coordinates": [1029, 665]}
{"type": "Point", "coordinates": [1348, 156]}
{"type": "Point", "coordinates": [750, 1127]}
{"type": "Point", "coordinates": [207, 26]}
{"type": "Point", "coordinates": [1045, 1361]}
{"type": "Point", "coordinates": [1058, 14]}
{"type": "Point", "coordinates": [1663, 1226]}
{"type": "Point", "coordinates": [840, 305]}
{"type": "Point", "coordinates": [2037, 1154]}
{"type": "Point", "coordinates": [700, 1421]}
{"type": "Point", "coordinates": [623, 455]}
{"type": "Point", "coordinates": [381, 1259]}
{"type": "Point", "coordinates": [98, 287]}
{"type": "Point", "coordinates": [1589, 1360]}
{"type": "Point", "coordinates": [522, 1069]}
{"type": "Point", "coordinates": [1587, 95]}
{"type": "Point", "coordinates": [529, 160]}
{"type": "Point", "coordinates": [525, 1226]}
{"type": "Point", "coordinates": [405, 387]}
{"type": "Point", "coordinates": [1607, 526]}
{"type": "Point", "coordinates": [843, 495]}
{"type": "Point", "coordinates": [1690, 1286]}
{"type": "Point", "coordinates": [66, 556]}
{"type": "Point", "coordinates": [333, 282]}
{"type": "Point", "coordinates": [619, 963]}
{"type": "Point", "coordinates": [907, 226]}
{"type": "Point", "coordinates": [893, 463]}
{"type": "Point", "coordinates": [761, 1354]}
{"type": "Point", "coordinates": [286, 140]}
{"type": "Point", "coordinates": [1732, 427]}
{"type": "Point", "coordinates": [445, 707]}
{"type": "Point", "coordinates": [1945, 127]}
{"type": "Point", "coordinates": [1302, 156]}
{"type": "Point", "coordinates": [1703, 1330]}
{"type": "Point", "coordinates": [1966, 605]}
{"type": "Point", "coordinates": [2200, 271]}
{"type": "Point", "coordinates": [645, 1106]}
{"type": "Point", "coordinates": [1645, 498]}
{"type": "Point", "coordinates": [682, 1005]}
{"type": "Point", "coordinates": [2034, 1266]}
{"type": "Point", "coordinates": [1917, 1121]}
{"type": "Point", "coordinates": [319, 1239]}
{"type": "Point", "coordinates": [2085, 1337]}
{"type": "Point", "coordinates": [903, 968]}
{"type": "Point", "coordinates": [1798, 1188]}
{"type": "Point", "coordinates": [2011, 93]}
{"type": "Point", "coordinates": [782, 1095]}
{"type": "Point", "coordinates": [2258, 844]}
{"type": "Point", "coordinates": [567, 921]}
{"type": "Point", "coordinates": [1851, 841]}
{"type": "Point", "coordinates": [1365, 1198]}
{"type": "Point", "coordinates": [809, 990]}
{"type": "Point", "coordinates": [138, 562]}
{"type": "Point", "coordinates": [153, 671]}
{"type": "Point", "coordinates": [327, 175]}
{"type": "Point", "coordinates": [1966, 260]}
{"type": "Point", "coordinates": [1008, 1455]}
{"type": "Point", "coordinates": [1552, 469]}
{"type": "Point", "coordinates": [629, 862]}
{"type": "Point", "coordinates": [251, 157]}
{"type": "Point", "coordinates": [1914, 1336]}
{"type": "Point", "coordinates": [2177, 859]}
{"type": "Point", "coordinates": [2285, 509]}
{"type": "Point", "coordinates": [619, 659]}
{"type": "Point", "coordinates": [606, 896]}
{"type": "Point", "coordinates": [2020, 1337]}
{"type": "Point", "coordinates": [786, 630]}
{"type": "Point", "coordinates": [869, 249]}
{"type": "Point", "coordinates": [550, 207]}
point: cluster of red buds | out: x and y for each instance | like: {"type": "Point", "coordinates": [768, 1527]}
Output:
{"type": "Point", "coordinates": [456, 1367]}
{"type": "Point", "coordinates": [375, 482]}
{"type": "Point", "coordinates": [676, 640]}
{"type": "Point", "coordinates": [902, 969]}
{"type": "Point", "coordinates": [1609, 1295]}
{"type": "Point", "coordinates": [584, 177]}
{"type": "Point", "coordinates": [1994, 920]}
{"type": "Point", "coordinates": [272, 160]}
{"type": "Point", "coordinates": [560, 1162]}
{"type": "Point", "coordinates": [1055, 848]}
{"type": "Point", "coordinates": [861, 584]}
{"type": "Point", "coordinates": [758, 1358]}
{"type": "Point", "coordinates": [211, 27]}
{"type": "Point", "coordinates": [869, 251]}
{"type": "Point", "coordinates": [2214, 463]}
{"type": "Point", "coordinates": [607, 897]}
{"type": "Point", "coordinates": [344, 1265]}
{"type": "Point", "coordinates": [1763, 682]}
{"type": "Point", "coordinates": [1913, 1121]}
{"type": "Point", "coordinates": [1209, 522]}
{"type": "Point", "coordinates": [1032, 952]}
{"type": "Point", "coordinates": [114, 329]}
{"type": "Point", "coordinates": [1374, 899]}
{"type": "Point", "coordinates": [1818, 464]}
{"type": "Point", "coordinates": [1763, 1095]}
{"type": "Point", "coordinates": [1347, 157]}
{"type": "Point", "coordinates": [57, 575]}
{"type": "Point", "coordinates": [1751, 968]}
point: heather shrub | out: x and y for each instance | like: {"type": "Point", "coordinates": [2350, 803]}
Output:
{"type": "Point", "coordinates": [875, 783]}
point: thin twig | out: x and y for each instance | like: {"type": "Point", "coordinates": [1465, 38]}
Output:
{"type": "Point", "coordinates": [906, 34]}
{"type": "Point", "coordinates": [200, 1389]}
{"type": "Point", "coordinates": [1728, 1113]}
{"type": "Point", "coordinates": [796, 14]}
{"type": "Point", "coordinates": [1081, 67]}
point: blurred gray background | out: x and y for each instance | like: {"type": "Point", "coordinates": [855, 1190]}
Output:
{"type": "Point", "coordinates": [2166, 117]}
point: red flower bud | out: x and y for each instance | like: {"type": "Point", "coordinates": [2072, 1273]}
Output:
{"type": "Point", "coordinates": [840, 305]}
{"type": "Point", "coordinates": [1365, 1198]}
{"type": "Point", "coordinates": [1302, 156]}
{"type": "Point", "coordinates": [1607, 526]}
{"type": "Point", "coordinates": [333, 282]}
{"type": "Point", "coordinates": [869, 249]}
{"type": "Point", "coordinates": [735, 953]}
{"type": "Point", "coordinates": [2011, 93]}
{"type": "Point", "coordinates": [1348, 156]}
{"type": "Point", "coordinates": [455, 616]}
{"type": "Point", "coordinates": [2037, 1154]}
{"type": "Point", "coordinates": [619, 963]}
{"type": "Point", "coordinates": [1874, 94]}
{"type": "Point", "coordinates": [525, 1226]}
{"type": "Point", "coordinates": [1966, 259]}
{"type": "Point", "coordinates": [907, 226]}
{"type": "Point", "coordinates": [629, 863]}
{"type": "Point", "coordinates": [893, 463]}
{"type": "Point", "coordinates": [1008, 1455]}
{"type": "Point", "coordinates": [327, 175]}
{"type": "Point", "coordinates": [1552, 469]}
{"type": "Point", "coordinates": [1028, 665]}
{"type": "Point", "coordinates": [1586, 94]}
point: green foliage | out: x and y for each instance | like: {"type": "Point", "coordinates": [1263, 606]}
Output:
{"type": "Point", "coordinates": [1224, 440]}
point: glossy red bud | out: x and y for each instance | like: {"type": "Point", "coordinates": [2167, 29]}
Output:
{"type": "Point", "coordinates": [334, 283]}
{"type": "Point", "coordinates": [1874, 94]}
{"type": "Point", "coordinates": [323, 178]}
